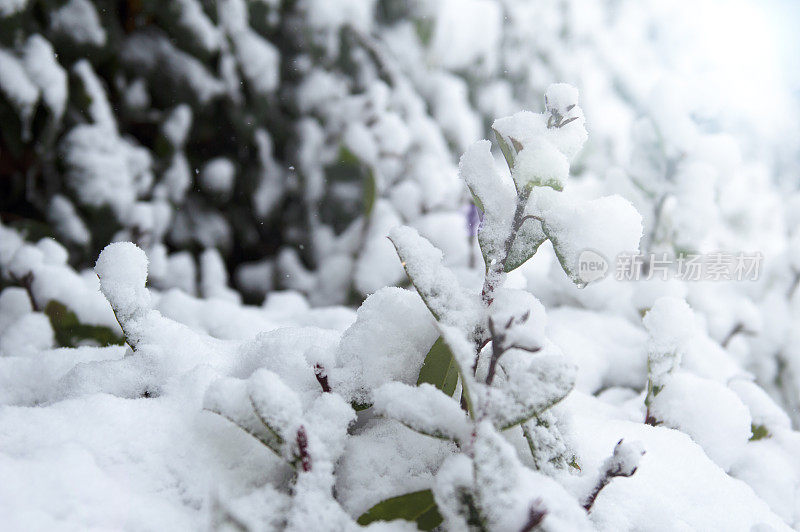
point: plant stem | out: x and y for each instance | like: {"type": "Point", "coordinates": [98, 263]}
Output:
{"type": "Point", "coordinates": [495, 271]}
{"type": "Point", "coordinates": [322, 378]}
{"type": "Point", "coordinates": [302, 448]}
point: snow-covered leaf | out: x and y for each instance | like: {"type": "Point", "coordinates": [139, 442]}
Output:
{"type": "Point", "coordinates": [229, 398]}
{"type": "Point", "coordinates": [608, 226]}
{"type": "Point", "coordinates": [422, 408]}
{"type": "Point", "coordinates": [532, 385]}
{"type": "Point", "coordinates": [525, 245]}
{"type": "Point", "coordinates": [495, 196]}
{"type": "Point", "coordinates": [436, 284]}
{"type": "Point", "coordinates": [275, 404]}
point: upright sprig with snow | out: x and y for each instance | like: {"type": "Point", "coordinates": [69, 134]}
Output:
{"type": "Point", "coordinates": [509, 374]}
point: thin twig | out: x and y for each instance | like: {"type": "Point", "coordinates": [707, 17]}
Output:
{"type": "Point", "coordinates": [26, 282]}
{"type": "Point", "coordinates": [322, 378]}
{"type": "Point", "coordinates": [536, 514]}
{"type": "Point", "coordinates": [302, 449]}
{"type": "Point", "coordinates": [736, 330]}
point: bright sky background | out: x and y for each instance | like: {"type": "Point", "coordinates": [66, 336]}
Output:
{"type": "Point", "coordinates": [750, 54]}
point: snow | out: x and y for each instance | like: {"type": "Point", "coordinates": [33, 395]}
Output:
{"type": "Point", "coordinates": [324, 15]}
{"type": "Point", "coordinates": [388, 342]}
{"type": "Point", "coordinates": [524, 313]}
{"type": "Point", "coordinates": [381, 458]}
{"type": "Point", "coordinates": [259, 61]}
{"type": "Point", "coordinates": [214, 277]}
{"type": "Point", "coordinates": [424, 409]}
{"type": "Point", "coordinates": [275, 403]}
{"type": "Point", "coordinates": [257, 57]}
{"type": "Point", "coordinates": [122, 269]}
{"type": "Point", "coordinates": [453, 44]}
{"type": "Point", "coordinates": [177, 178]}
{"type": "Point", "coordinates": [675, 486]}
{"type": "Point", "coordinates": [53, 281]}
{"type": "Point", "coordinates": [771, 470]}
{"type": "Point", "coordinates": [300, 412]}
{"type": "Point", "coordinates": [608, 226]}
{"type": "Point", "coordinates": [437, 286]}
{"type": "Point", "coordinates": [448, 232]}
{"type": "Point", "coordinates": [53, 253]}
{"type": "Point", "coordinates": [532, 384]}
{"type": "Point", "coordinates": [378, 265]}
{"type": "Point", "coordinates": [763, 409]}
{"type": "Point", "coordinates": [44, 71]}
{"type": "Point", "coordinates": [540, 164]}
{"type": "Point", "coordinates": [217, 177]}
{"type": "Point", "coordinates": [449, 97]}
{"type": "Point", "coordinates": [505, 492]}
{"type": "Point", "coordinates": [560, 98]}
{"type": "Point", "coordinates": [707, 411]}
{"type": "Point", "coordinates": [137, 461]}
{"type": "Point", "coordinates": [384, 460]}
{"type": "Point", "coordinates": [670, 323]}
{"type": "Point", "coordinates": [495, 195]}
{"type": "Point", "coordinates": [562, 126]}
{"type": "Point", "coordinates": [177, 124]}
{"type": "Point", "coordinates": [625, 460]}
{"type": "Point", "coordinates": [10, 7]}
{"type": "Point", "coordinates": [191, 18]}
{"type": "Point", "coordinates": [607, 350]}
{"type": "Point", "coordinates": [156, 55]}
{"type": "Point", "coordinates": [18, 89]}
{"type": "Point", "coordinates": [103, 169]}
{"type": "Point", "coordinates": [494, 190]}
{"type": "Point", "coordinates": [62, 214]}
{"type": "Point", "coordinates": [77, 20]}
{"type": "Point", "coordinates": [27, 336]}
{"type": "Point", "coordinates": [14, 303]}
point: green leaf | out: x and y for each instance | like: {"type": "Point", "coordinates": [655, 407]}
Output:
{"type": "Point", "coordinates": [424, 28]}
{"type": "Point", "coordinates": [759, 432]}
{"type": "Point", "coordinates": [418, 506]}
{"type": "Point", "coordinates": [370, 192]}
{"type": "Point", "coordinates": [346, 173]}
{"type": "Point", "coordinates": [477, 201]}
{"type": "Point", "coordinates": [440, 368]}
{"type": "Point", "coordinates": [507, 148]}
{"type": "Point", "coordinates": [70, 332]}
{"type": "Point", "coordinates": [358, 407]}
{"type": "Point", "coordinates": [347, 157]}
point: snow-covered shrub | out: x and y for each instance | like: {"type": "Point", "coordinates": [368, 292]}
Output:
{"type": "Point", "coordinates": [245, 149]}
{"type": "Point", "coordinates": [446, 405]}
{"type": "Point", "coordinates": [490, 370]}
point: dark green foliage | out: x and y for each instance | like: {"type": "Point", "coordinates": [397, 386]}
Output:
{"type": "Point", "coordinates": [351, 186]}
{"type": "Point", "coordinates": [759, 432]}
{"type": "Point", "coordinates": [418, 506]}
{"type": "Point", "coordinates": [440, 368]}
{"type": "Point", "coordinates": [70, 332]}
